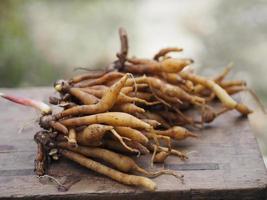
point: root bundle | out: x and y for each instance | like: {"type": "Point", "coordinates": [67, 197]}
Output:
{"type": "Point", "coordinates": [137, 106]}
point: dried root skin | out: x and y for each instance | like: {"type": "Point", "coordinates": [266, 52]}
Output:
{"type": "Point", "coordinates": [40, 160]}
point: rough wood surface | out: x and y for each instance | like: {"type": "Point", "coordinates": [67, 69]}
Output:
{"type": "Point", "coordinates": [225, 163]}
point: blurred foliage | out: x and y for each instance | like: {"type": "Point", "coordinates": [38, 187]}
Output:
{"type": "Point", "coordinates": [41, 41]}
{"type": "Point", "coordinates": [20, 63]}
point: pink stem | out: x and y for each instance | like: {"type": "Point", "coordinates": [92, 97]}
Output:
{"type": "Point", "coordinates": [44, 108]}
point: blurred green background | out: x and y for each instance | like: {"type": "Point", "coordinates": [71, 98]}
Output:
{"type": "Point", "coordinates": [42, 41]}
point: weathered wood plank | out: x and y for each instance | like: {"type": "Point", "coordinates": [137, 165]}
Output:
{"type": "Point", "coordinates": [225, 163]}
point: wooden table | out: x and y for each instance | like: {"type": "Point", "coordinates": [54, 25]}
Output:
{"type": "Point", "coordinates": [225, 163]}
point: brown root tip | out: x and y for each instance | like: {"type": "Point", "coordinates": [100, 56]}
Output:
{"type": "Point", "coordinates": [243, 109]}
{"type": "Point", "coordinates": [184, 157]}
{"type": "Point", "coordinates": [191, 61]}
{"type": "Point", "coordinates": [181, 155]}
{"type": "Point", "coordinates": [244, 83]}
{"type": "Point", "coordinates": [190, 134]}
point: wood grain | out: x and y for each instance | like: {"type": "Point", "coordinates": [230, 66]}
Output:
{"type": "Point", "coordinates": [225, 163]}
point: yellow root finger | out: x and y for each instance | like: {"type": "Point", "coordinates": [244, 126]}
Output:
{"type": "Point", "coordinates": [122, 142]}
{"type": "Point", "coordinates": [113, 174]}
